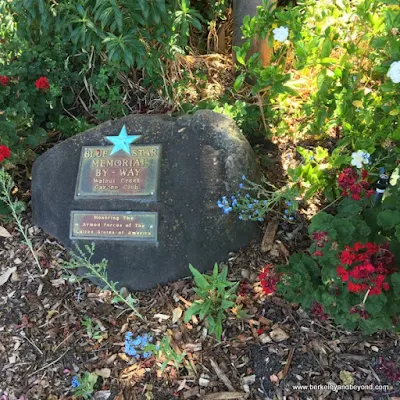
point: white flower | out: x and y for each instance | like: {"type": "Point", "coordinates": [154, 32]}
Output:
{"type": "Point", "coordinates": [359, 158]}
{"type": "Point", "coordinates": [394, 72]}
{"type": "Point", "coordinates": [281, 33]}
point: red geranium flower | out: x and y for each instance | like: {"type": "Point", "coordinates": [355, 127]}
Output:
{"type": "Point", "coordinates": [42, 84]}
{"type": "Point", "coordinates": [5, 152]}
{"type": "Point", "coordinates": [353, 184]}
{"type": "Point", "coordinates": [268, 279]}
{"type": "Point", "coordinates": [368, 266]}
{"type": "Point", "coordinates": [4, 80]}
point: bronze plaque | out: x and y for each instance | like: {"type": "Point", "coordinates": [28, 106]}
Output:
{"type": "Point", "coordinates": [114, 225]}
{"type": "Point", "coordinates": [119, 175]}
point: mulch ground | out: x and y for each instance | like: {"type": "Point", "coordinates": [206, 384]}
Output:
{"type": "Point", "coordinates": [43, 343]}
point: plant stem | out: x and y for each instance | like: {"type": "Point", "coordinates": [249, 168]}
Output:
{"type": "Point", "coordinates": [96, 274]}
{"type": "Point", "coordinates": [7, 193]}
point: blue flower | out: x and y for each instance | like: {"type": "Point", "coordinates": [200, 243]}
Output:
{"type": "Point", "coordinates": [240, 216]}
{"type": "Point", "coordinates": [241, 185]}
{"type": "Point", "coordinates": [75, 382]}
{"type": "Point", "coordinates": [233, 197]}
{"type": "Point", "coordinates": [260, 219]}
{"type": "Point", "coordinates": [284, 217]}
{"type": "Point", "coordinates": [247, 195]}
{"type": "Point", "coordinates": [256, 212]}
{"type": "Point", "coordinates": [265, 202]}
{"type": "Point", "coordinates": [243, 177]}
{"type": "Point", "coordinates": [286, 212]}
{"type": "Point", "coordinates": [288, 203]}
{"type": "Point", "coordinates": [381, 170]}
{"type": "Point", "coordinates": [256, 201]}
{"type": "Point", "coordinates": [147, 354]}
{"type": "Point", "coordinates": [250, 206]}
{"type": "Point", "coordinates": [234, 202]}
{"type": "Point", "coordinates": [291, 218]}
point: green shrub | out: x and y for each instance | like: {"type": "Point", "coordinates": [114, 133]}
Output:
{"type": "Point", "coordinates": [351, 270]}
{"type": "Point", "coordinates": [217, 295]}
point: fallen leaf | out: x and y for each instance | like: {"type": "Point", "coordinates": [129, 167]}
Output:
{"type": "Point", "coordinates": [161, 317]}
{"type": "Point", "coordinates": [103, 372]}
{"type": "Point", "coordinates": [6, 275]}
{"type": "Point", "coordinates": [278, 335]}
{"type": "Point", "coordinates": [176, 314]}
{"type": "Point", "coordinates": [4, 232]}
{"type": "Point", "coordinates": [132, 375]}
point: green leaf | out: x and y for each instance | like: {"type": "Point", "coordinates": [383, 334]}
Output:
{"type": "Point", "coordinates": [194, 309]}
{"type": "Point", "coordinates": [199, 278]}
{"type": "Point", "coordinates": [388, 219]}
{"type": "Point", "coordinates": [239, 82]}
{"type": "Point", "coordinates": [395, 279]}
{"type": "Point", "coordinates": [374, 304]}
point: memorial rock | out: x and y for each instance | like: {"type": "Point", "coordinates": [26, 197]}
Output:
{"type": "Point", "coordinates": [144, 189]}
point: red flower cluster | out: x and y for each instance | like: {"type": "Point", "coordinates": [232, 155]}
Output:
{"type": "Point", "coordinates": [4, 152]}
{"type": "Point", "coordinates": [354, 185]}
{"type": "Point", "coordinates": [42, 84]}
{"type": "Point", "coordinates": [268, 279]}
{"type": "Point", "coordinates": [4, 80]}
{"type": "Point", "coordinates": [369, 265]}
{"type": "Point", "coordinates": [317, 310]}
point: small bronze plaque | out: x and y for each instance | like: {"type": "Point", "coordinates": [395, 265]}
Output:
{"type": "Point", "coordinates": [120, 175]}
{"type": "Point", "coordinates": [112, 225]}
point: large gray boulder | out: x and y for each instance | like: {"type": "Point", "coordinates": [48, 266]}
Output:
{"type": "Point", "coordinates": [203, 157]}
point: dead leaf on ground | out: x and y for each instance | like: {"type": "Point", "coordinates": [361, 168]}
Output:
{"type": "Point", "coordinates": [176, 314]}
{"type": "Point", "coordinates": [4, 232]}
{"type": "Point", "coordinates": [279, 335]}
{"type": "Point", "coordinates": [6, 275]}
{"type": "Point", "coordinates": [132, 375]}
{"type": "Point", "coordinates": [103, 372]}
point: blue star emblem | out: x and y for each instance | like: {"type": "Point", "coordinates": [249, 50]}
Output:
{"type": "Point", "coordinates": [122, 141]}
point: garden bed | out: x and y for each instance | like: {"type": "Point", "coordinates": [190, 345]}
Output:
{"type": "Point", "coordinates": [43, 343]}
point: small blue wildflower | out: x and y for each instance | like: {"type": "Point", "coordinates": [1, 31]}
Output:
{"type": "Point", "coordinates": [147, 354]}
{"type": "Point", "coordinates": [291, 218]}
{"type": "Point", "coordinates": [224, 198]}
{"type": "Point", "coordinates": [241, 185]}
{"type": "Point", "coordinates": [219, 204]}
{"type": "Point", "coordinates": [247, 195]}
{"type": "Point", "coordinates": [284, 217]}
{"type": "Point", "coordinates": [75, 382]}
{"type": "Point", "coordinates": [256, 201]}
{"type": "Point", "coordinates": [240, 216]}
{"type": "Point", "coordinates": [265, 202]}
{"type": "Point", "coordinates": [234, 202]}
{"type": "Point", "coordinates": [381, 170]}
{"type": "Point", "coordinates": [260, 219]}
{"type": "Point", "coordinates": [250, 206]}
{"type": "Point", "coordinates": [227, 210]}
{"type": "Point", "coordinates": [256, 212]}
{"type": "Point", "coordinates": [243, 177]}
{"type": "Point", "coordinates": [286, 212]}
{"type": "Point", "coordinates": [233, 197]}
{"type": "Point", "coordinates": [288, 203]}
